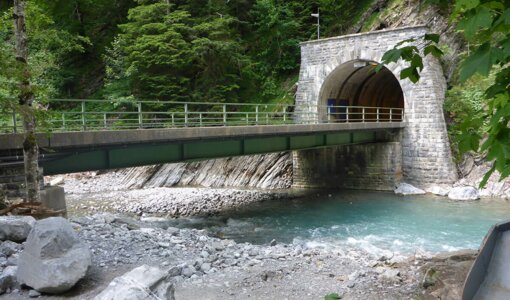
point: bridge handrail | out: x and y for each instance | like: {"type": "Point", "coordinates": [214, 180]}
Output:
{"type": "Point", "coordinates": [192, 114]}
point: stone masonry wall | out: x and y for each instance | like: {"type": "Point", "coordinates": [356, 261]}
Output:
{"type": "Point", "coordinates": [372, 166]}
{"type": "Point", "coordinates": [426, 155]}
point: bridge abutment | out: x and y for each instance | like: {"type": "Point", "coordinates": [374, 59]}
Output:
{"type": "Point", "coordinates": [341, 69]}
{"type": "Point", "coordinates": [376, 166]}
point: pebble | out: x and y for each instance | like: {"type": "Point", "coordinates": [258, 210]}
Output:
{"type": "Point", "coordinates": [33, 294]}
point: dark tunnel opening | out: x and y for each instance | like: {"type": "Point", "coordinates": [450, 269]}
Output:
{"type": "Point", "coordinates": [369, 95]}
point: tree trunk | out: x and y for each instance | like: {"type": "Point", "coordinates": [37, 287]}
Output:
{"type": "Point", "coordinates": [26, 99]}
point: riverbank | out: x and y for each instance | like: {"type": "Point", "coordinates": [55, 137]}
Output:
{"type": "Point", "coordinates": [223, 269]}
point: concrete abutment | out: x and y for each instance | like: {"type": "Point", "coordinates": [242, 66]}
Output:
{"type": "Point", "coordinates": [330, 69]}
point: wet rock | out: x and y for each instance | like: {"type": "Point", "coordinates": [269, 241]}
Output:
{"type": "Point", "coordinates": [15, 228]}
{"type": "Point", "coordinates": [54, 259]}
{"type": "Point", "coordinates": [464, 193]}
{"type": "Point", "coordinates": [407, 189]}
{"type": "Point", "coordinates": [272, 243]}
{"type": "Point", "coordinates": [144, 282]}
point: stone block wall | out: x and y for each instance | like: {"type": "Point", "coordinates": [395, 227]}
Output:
{"type": "Point", "coordinates": [426, 155]}
{"type": "Point", "coordinates": [375, 166]}
{"type": "Point", "coordinates": [12, 181]}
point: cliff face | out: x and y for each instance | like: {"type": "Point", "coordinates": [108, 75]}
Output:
{"type": "Point", "coordinates": [269, 171]}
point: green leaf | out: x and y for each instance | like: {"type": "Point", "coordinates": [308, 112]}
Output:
{"type": "Point", "coordinates": [462, 5]}
{"type": "Point", "coordinates": [392, 55]}
{"type": "Point", "coordinates": [410, 73]}
{"type": "Point", "coordinates": [433, 37]}
{"type": "Point", "coordinates": [417, 62]}
{"type": "Point", "coordinates": [472, 23]}
{"type": "Point", "coordinates": [432, 49]}
{"type": "Point", "coordinates": [333, 296]}
{"type": "Point", "coordinates": [487, 176]}
{"type": "Point", "coordinates": [479, 61]}
{"type": "Point", "coordinates": [506, 14]}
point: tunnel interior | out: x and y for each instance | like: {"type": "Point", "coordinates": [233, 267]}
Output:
{"type": "Point", "coordinates": [356, 84]}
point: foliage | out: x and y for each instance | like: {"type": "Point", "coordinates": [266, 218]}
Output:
{"type": "Point", "coordinates": [333, 296]}
{"type": "Point", "coordinates": [48, 44]}
{"type": "Point", "coordinates": [486, 26]}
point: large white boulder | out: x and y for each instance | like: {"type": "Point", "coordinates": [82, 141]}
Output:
{"type": "Point", "coordinates": [464, 193]}
{"type": "Point", "coordinates": [142, 283]}
{"type": "Point", "coordinates": [407, 189]}
{"type": "Point", "coordinates": [54, 259]}
{"type": "Point", "coordinates": [15, 228]}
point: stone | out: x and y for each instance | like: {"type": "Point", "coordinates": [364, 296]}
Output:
{"type": "Point", "coordinates": [407, 189]}
{"type": "Point", "coordinates": [272, 243]}
{"type": "Point", "coordinates": [205, 267]}
{"type": "Point", "coordinates": [438, 190]}
{"type": "Point", "coordinates": [53, 197]}
{"type": "Point", "coordinates": [33, 294]}
{"type": "Point", "coordinates": [392, 275]}
{"type": "Point", "coordinates": [8, 248]}
{"type": "Point", "coordinates": [15, 228]}
{"type": "Point", "coordinates": [188, 271]}
{"type": "Point", "coordinates": [464, 193]}
{"type": "Point", "coordinates": [430, 278]}
{"type": "Point", "coordinates": [8, 279]}
{"type": "Point", "coordinates": [54, 259]}
{"type": "Point", "coordinates": [144, 282]}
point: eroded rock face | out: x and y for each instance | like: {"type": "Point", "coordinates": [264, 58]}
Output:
{"type": "Point", "coordinates": [15, 228]}
{"type": "Point", "coordinates": [144, 282]}
{"type": "Point", "coordinates": [54, 259]}
{"type": "Point", "coordinates": [8, 278]}
{"type": "Point", "coordinates": [464, 193]}
{"type": "Point", "coordinates": [407, 189]}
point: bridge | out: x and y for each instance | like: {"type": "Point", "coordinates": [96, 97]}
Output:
{"type": "Point", "coordinates": [80, 137]}
{"type": "Point", "coordinates": [350, 127]}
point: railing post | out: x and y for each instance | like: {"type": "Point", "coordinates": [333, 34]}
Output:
{"type": "Point", "coordinates": [377, 114]}
{"type": "Point", "coordinates": [104, 121]}
{"type": "Point", "coordinates": [173, 120]}
{"type": "Point", "coordinates": [247, 119]}
{"type": "Point", "coordinates": [200, 119]}
{"type": "Point", "coordinates": [391, 114]}
{"type": "Point", "coordinates": [329, 114]}
{"type": "Point", "coordinates": [63, 121]}
{"type": "Point", "coordinates": [363, 114]}
{"type": "Point", "coordinates": [83, 124]}
{"type": "Point", "coordinates": [284, 110]}
{"type": "Point", "coordinates": [267, 115]}
{"type": "Point", "coordinates": [256, 115]}
{"type": "Point", "coordinates": [140, 116]}
{"type": "Point", "coordinates": [224, 115]}
{"type": "Point", "coordinates": [14, 125]}
{"type": "Point", "coordinates": [347, 114]}
{"type": "Point", "coordinates": [185, 114]}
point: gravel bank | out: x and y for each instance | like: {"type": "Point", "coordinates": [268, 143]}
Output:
{"type": "Point", "coordinates": [223, 269]}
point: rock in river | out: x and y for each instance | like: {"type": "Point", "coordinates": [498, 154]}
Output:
{"type": "Point", "coordinates": [407, 189]}
{"type": "Point", "coordinates": [54, 259]}
{"type": "Point", "coordinates": [464, 193]}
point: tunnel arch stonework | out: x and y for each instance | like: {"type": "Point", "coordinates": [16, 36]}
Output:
{"type": "Point", "coordinates": [424, 149]}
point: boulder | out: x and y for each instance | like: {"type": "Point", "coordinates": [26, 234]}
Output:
{"type": "Point", "coordinates": [9, 248]}
{"type": "Point", "coordinates": [54, 259]}
{"type": "Point", "coordinates": [15, 228]}
{"type": "Point", "coordinates": [464, 193]}
{"type": "Point", "coordinates": [438, 190]}
{"type": "Point", "coordinates": [144, 282]}
{"type": "Point", "coordinates": [8, 279]}
{"type": "Point", "coordinates": [407, 189]}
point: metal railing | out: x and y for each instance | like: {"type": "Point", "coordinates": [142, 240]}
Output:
{"type": "Point", "coordinates": [81, 115]}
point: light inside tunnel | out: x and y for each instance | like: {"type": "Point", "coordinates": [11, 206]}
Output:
{"type": "Point", "coordinates": [356, 84]}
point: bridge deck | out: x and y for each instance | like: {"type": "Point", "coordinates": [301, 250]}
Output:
{"type": "Point", "coordinates": [68, 152]}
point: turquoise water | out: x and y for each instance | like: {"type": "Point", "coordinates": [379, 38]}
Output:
{"type": "Point", "coordinates": [375, 222]}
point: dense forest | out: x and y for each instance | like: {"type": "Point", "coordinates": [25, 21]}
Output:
{"type": "Point", "coordinates": [185, 50]}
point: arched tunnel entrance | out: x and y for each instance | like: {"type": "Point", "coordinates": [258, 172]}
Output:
{"type": "Point", "coordinates": [355, 92]}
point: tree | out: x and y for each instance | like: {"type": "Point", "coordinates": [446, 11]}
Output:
{"type": "Point", "coordinates": [485, 25]}
{"type": "Point", "coordinates": [26, 100]}
{"type": "Point", "coordinates": [30, 75]}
